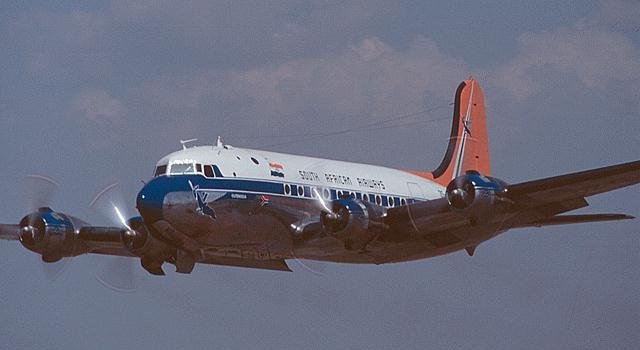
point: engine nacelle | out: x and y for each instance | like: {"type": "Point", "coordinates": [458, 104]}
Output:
{"type": "Point", "coordinates": [353, 221]}
{"type": "Point", "coordinates": [53, 235]}
{"type": "Point", "coordinates": [140, 242]}
{"type": "Point", "coordinates": [474, 194]}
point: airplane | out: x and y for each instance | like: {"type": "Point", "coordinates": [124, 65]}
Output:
{"type": "Point", "coordinates": [224, 205]}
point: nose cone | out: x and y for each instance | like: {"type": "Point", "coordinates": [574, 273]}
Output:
{"type": "Point", "coordinates": [149, 201]}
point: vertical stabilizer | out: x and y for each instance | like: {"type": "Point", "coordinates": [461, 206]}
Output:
{"type": "Point", "coordinates": [468, 144]}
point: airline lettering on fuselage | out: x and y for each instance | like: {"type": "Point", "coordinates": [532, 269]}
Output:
{"type": "Point", "coordinates": [338, 179]}
{"type": "Point", "coordinates": [308, 175]}
{"type": "Point", "coordinates": [369, 183]}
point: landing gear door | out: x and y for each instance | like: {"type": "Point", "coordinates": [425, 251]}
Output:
{"type": "Point", "coordinates": [415, 191]}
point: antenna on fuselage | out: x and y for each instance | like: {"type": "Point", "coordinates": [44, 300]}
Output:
{"type": "Point", "coordinates": [219, 142]}
{"type": "Point", "coordinates": [184, 143]}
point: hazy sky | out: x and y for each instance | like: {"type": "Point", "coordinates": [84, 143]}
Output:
{"type": "Point", "coordinates": [93, 94]}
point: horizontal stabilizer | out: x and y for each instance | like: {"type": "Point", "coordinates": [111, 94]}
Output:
{"type": "Point", "coordinates": [576, 219]}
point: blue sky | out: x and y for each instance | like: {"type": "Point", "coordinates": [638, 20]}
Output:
{"type": "Point", "coordinates": [94, 94]}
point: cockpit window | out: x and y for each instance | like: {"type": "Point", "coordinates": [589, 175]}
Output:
{"type": "Point", "coordinates": [179, 169]}
{"type": "Point", "coordinates": [198, 168]}
{"type": "Point", "coordinates": [160, 170]}
{"type": "Point", "coordinates": [208, 171]}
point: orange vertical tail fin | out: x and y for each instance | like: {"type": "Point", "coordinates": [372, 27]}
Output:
{"type": "Point", "coordinates": [468, 144]}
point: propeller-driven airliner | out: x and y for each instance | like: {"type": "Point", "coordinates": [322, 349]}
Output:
{"type": "Point", "coordinates": [233, 206]}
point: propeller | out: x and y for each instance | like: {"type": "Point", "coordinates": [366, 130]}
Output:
{"type": "Point", "coordinates": [118, 274]}
{"type": "Point", "coordinates": [327, 213]}
{"type": "Point", "coordinates": [315, 267]}
{"type": "Point", "coordinates": [40, 191]}
{"type": "Point", "coordinates": [460, 192]}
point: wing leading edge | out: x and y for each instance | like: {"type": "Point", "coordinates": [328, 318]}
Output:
{"type": "Point", "coordinates": [575, 185]}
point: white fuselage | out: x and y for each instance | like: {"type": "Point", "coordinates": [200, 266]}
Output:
{"type": "Point", "coordinates": [322, 174]}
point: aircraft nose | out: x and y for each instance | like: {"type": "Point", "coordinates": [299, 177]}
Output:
{"type": "Point", "coordinates": [149, 202]}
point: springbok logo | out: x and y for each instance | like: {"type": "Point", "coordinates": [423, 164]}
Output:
{"type": "Point", "coordinates": [201, 201]}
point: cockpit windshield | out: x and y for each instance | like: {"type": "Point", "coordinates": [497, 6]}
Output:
{"type": "Point", "coordinates": [179, 169]}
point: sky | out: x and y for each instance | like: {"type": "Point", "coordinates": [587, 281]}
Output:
{"type": "Point", "coordinates": [94, 93]}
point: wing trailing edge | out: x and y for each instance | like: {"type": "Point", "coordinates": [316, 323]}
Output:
{"type": "Point", "coordinates": [576, 219]}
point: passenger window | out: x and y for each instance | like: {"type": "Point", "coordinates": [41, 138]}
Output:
{"type": "Point", "coordinates": [161, 170]}
{"type": "Point", "coordinates": [208, 171]}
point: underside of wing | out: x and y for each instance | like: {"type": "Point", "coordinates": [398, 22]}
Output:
{"type": "Point", "coordinates": [277, 265]}
{"type": "Point", "coordinates": [436, 215]}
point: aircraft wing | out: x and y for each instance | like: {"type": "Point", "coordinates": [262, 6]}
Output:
{"type": "Point", "coordinates": [90, 239]}
{"type": "Point", "coordinates": [539, 202]}
{"type": "Point", "coordinates": [531, 203]}
{"type": "Point", "coordinates": [9, 232]}
{"type": "Point", "coordinates": [276, 265]}
{"type": "Point", "coordinates": [574, 186]}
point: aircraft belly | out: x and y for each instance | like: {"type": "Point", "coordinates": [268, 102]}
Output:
{"type": "Point", "coordinates": [235, 223]}
{"type": "Point", "coordinates": [239, 225]}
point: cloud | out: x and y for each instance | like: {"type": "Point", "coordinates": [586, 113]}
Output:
{"type": "Point", "coordinates": [97, 105]}
{"type": "Point", "coordinates": [596, 56]}
{"type": "Point", "coordinates": [621, 15]}
{"type": "Point", "coordinates": [52, 42]}
{"type": "Point", "coordinates": [368, 79]}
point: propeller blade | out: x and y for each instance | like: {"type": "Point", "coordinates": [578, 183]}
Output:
{"type": "Point", "coordinates": [321, 200]}
{"type": "Point", "coordinates": [40, 190]}
{"type": "Point", "coordinates": [118, 275]}
{"type": "Point", "coordinates": [52, 271]}
{"type": "Point", "coordinates": [315, 267]}
{"type": "Point", "coordinates": [121, 218]}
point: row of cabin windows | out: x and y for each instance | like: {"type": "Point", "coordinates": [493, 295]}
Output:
{"type": "Point", "coordinates": [182, 169]}
{"type": "Point", "coordinates": [331, 194]}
